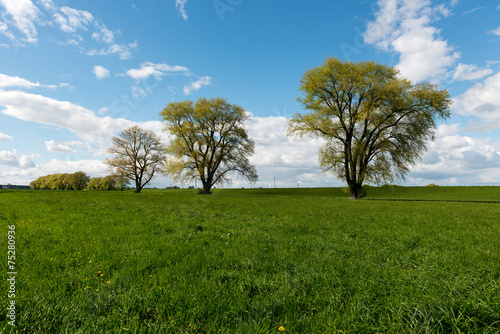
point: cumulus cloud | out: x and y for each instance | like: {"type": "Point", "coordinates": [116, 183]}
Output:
{"type": "Point", "coordinates": [44, 110]}
{"type": "Point", "coordinates": [15, 81]}
{"type": "Point", "coordinates": [89, 127]}
{"type": "Point", "coordinates": [14, 159]}
{"type": "Point", "coordinates": [285, 158]}
{"type": "Point", "coordinates": [179, 4]}
{"type": "Point", "coordinates": [148, 69]}
{"type": "Point", "coordinates": [52, 146]}
{"type": "Point", "coordinates": [404, 27]}
{"type": "Point", "coordinates": [196, 85]}
{"type": "Point", "coordinates": [470, 72]}
{"type": "Point", "coordinates": [100, 72]}
{"type": "Point", "coordinates": [482, 101]}
{"type": "Point", "coordinates": [26, 175]}
{"type": "Point", "coordinates": [454, 159]}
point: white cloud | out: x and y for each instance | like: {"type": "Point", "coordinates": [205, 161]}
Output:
{"type": "Point", "coordinates": [285, 158]}
{"type": "Point", "coordinates": [482, 101]}
{"type": "Point", "coordinates": [179, 4]}
{"type": "Point", "coordinates": [25, 175]}
{"type": "Point", "coordinates": [4, 29]}
{"type": "Point", "coordinates": [70, 20]}
{"type": "Point", "coordinates": [470, 72]}
{"type": "Point", "coordinates": [15, 81]}
{"type": "Point", "coordinates": [496, 31]}
{"type": "Point", "coordinates": [124, 51]}
{"type": "Point", "coordinates": [194, 86]}
{"type": "Point", "coordinates": [4, 137]}
{"type": "Point", "coordinates": [104, 35]}
{"type": "Point", "coordinates": [12, 158]}
{"type": "Point", "coordinates": [26, 16]}
{"type": "Point", "coordinates": [467, 12]}
{"type": "Point", "coordinates": [100, 72]}
{"type": "Point", "coordinates": [81, 121]}
{"type": "Point", "coordinates": [48, 4]}
{"type": "Point", "coordinates": [140, 93]}
{"type": "Point", "coordinates": [404, 26]}
{"type": "Point", "coordinates": [44, 110]}
{"type": "Point", "coordinates": [148, 69]}
{"type": "Point", "coordinates": [454, 159]}
{"type": "Point", "coordinates": [23, 14]}
{"type": "Point", "coordinates": [52, 146]}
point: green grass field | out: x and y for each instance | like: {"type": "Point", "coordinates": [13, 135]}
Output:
{"type": "Point", "coordinates": [404, 260]}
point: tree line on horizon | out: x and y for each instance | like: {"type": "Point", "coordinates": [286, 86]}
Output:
{"type": "Point", "coordinates": [79, 181]}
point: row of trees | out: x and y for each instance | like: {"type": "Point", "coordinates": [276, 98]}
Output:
{"type": "Point", "coordinates": [79, 181]}
{"type": "Point", "coordinates": [375, 124]}
{"type": "Point", "coordinates": [209, 143]}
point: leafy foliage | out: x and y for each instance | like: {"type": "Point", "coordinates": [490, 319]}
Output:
{"type": "Point", "coordinates": [209, 141]}
{"type": "Point", "coordinates": [61, 181]}
{"type": "Point", "coordinates": [375, 123]}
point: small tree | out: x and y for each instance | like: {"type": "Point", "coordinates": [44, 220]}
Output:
{"type": "Point", "coordinates": [121, 182]}
{"type": "Point", "coordinates": [78, 180]}
{"type": "Point", "coordinates": [210, 141]}
{"type": "Point", "coordinates": [138, 155]}
{"type": "Point", "coordinates": [94, 183]}
{"type": "Point", "coordinates": [375, 123]}
{"type": "Point", "coordinates": [108, 182]}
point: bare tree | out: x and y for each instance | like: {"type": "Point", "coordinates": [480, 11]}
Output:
{"type": "Point", "coordinates": [138, 155]}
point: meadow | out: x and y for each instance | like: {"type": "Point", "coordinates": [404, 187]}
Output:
{"type": "Point", "coordinates": [403, 260]}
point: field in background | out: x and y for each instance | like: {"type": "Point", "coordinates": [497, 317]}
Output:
{"type": "Point", "coordinates": [405, 260]}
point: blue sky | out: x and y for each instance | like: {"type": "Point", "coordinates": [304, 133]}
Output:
{"type": "Point", "coordinates": [75, 73]}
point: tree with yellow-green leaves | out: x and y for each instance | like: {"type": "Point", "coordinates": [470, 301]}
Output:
{"type": "Point", "coordinates": [375, 122]}
{"type": "Point", "coordinates": [209, 141]}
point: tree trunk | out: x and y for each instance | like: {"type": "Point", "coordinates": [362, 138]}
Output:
{"type": "Point", "coordinates": [206, 188]}
{"type": "Point", "coordinates": [355, 190]}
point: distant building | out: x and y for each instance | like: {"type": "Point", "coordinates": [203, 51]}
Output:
{"type": "Point", "coordinates": [11, 186]}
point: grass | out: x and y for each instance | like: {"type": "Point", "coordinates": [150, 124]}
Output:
{"type": "Point", "coordinates": [253, 260]}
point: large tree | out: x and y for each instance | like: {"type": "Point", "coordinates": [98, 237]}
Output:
{"type": "Point", "coordinates": [139, 155]}
{"type": "Point", "coordinates": [375, 122]}
{"type": "Point", "coordinates": [209, 141]}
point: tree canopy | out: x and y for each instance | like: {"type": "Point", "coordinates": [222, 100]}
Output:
{"type": "Point", "coordinates": [375, 123]}
{"type": "Point", "coordinates": [62, 181]}
{"type": "Point", "coordinates": [139, 155]}
{"type": "Point", "coordinates": [209, 141]}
